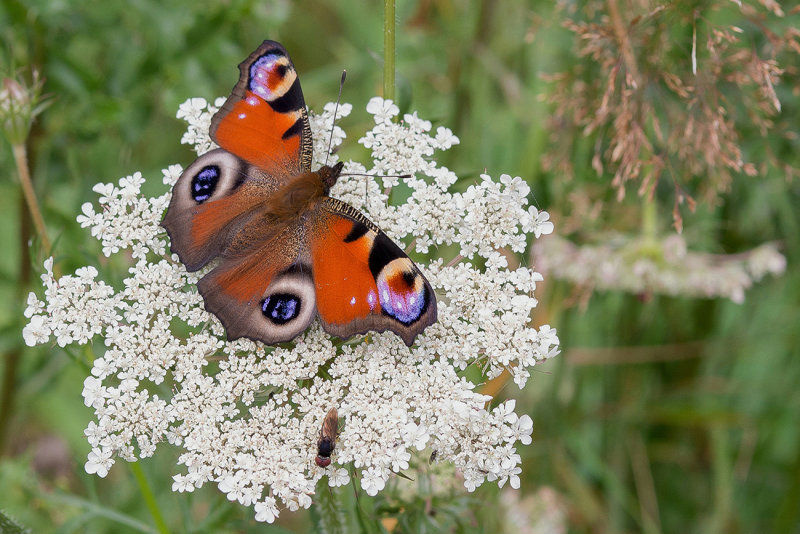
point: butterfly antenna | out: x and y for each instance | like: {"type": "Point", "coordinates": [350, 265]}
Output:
{"type": "Point", "coordinates": [335, 111]}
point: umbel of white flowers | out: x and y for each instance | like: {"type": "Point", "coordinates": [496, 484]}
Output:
{"type": "Point", "coordinates": [664, 266]}
{"type": "Point", "coordinates": [150, 386]}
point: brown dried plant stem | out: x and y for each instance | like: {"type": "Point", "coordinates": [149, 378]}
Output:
{"type": "Point", "coordinates": [11, 359]}
{"type": "Point", "coordinates": [21, 160]}
{"type": "Point", "coordinates": [7, 396]}
{"type": "Point", "coordinates": [622, 39]}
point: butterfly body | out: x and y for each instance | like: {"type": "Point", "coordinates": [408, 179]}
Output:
{"type": "Point", "coordinates": [286, 252]}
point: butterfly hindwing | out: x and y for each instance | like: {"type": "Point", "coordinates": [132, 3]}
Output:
{"type": "Point", "coordinates": [210, 202]}
{"type": "Point", "coordinates": [266, 294]}
{"type": "Point", "coordinates": [264, 120]}
{"type": "Point", "coordinates": [363, 280]}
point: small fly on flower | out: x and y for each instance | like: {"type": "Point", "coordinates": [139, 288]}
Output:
{"type": "Point", "coordinates": [327, 438]}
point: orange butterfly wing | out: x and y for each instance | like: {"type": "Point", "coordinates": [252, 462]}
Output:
{"type": "Point", "coordinates": [266, 141]}
{"type": "Point", "coordinates": [266, 293]}
{"type": "Point", "coordinates": [363, 280]}
{"type": "Point", "coordinates": [264, 120]}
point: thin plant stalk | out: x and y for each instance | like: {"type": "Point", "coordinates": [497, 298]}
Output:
{"type": "Point", "coordinates": [388, 49]}
{"type": "Point", "coordinates": [327, 513]}
{"type": "Point", "coordinates": [7, 395]}
{"type": "Point", "coordinates": [149, 498]}
{"type": "Point", "coordinates": [21, 160]}
{"type": "Point", "coordinates": [649, 221]}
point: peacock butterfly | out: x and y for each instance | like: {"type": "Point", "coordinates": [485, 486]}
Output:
{"type": "Point", "coordinates": [286, 251]}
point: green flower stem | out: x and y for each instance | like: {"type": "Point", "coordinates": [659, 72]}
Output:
{"type": "Point", "coordinates": [388, 49]}
{"type": "Point", "coordinates": [649, 220]}
{"type": "Point", "coordinates": [722, 470]}
{"type": "Point", "coordinates": [21, 159]}
{"type": "Point", "coordinates": [327, 512]}
{"type": "Point", "coordinates": [149, 498]}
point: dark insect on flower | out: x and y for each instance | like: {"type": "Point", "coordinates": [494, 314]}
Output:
{"type": "Point", "coordinates": [327, 438]}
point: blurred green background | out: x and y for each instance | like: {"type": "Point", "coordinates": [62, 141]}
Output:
{"type": "Point", "coordinates": [662, 414]}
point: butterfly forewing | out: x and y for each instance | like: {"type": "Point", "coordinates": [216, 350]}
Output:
{"type": "Point", "coordinates": [264, 121]}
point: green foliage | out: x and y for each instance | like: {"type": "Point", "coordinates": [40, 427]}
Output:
{"type": "Point", "coordinates": [668, 414]}
{"type": "Point", "coordinates": [9, 526]}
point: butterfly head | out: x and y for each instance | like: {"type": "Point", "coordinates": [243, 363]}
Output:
{"type": "Point", "coordinates": [329, 175]}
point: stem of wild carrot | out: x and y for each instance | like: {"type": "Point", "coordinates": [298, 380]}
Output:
{"type": "Point", "coordinates": [388, 49]}
{"type": "Point", "coordinates": [327, 514]}
{"type": "Point", "coordinates": [149, 498]}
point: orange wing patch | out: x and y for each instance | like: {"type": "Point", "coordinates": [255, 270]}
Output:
{"type": "Point", "coordinates": [210, 217]}
{"type": "Point", "coordinates": [362, 279]}
{"type": "Point", "coordinates": [345, 290]}
{"type": "Point", "coordinates": [264, 120]}
{"type": "Point", "coordinates": [256, 133]}
{"type": "Point", "coordinates": [245, 280]}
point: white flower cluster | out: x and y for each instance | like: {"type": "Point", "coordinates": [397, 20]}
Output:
{"type": "Point", "coordinates": [487, 216]}
{"type": "Point", "coordinates": [197, 113]}
{"type": "Point", "coordinates": [247, 417]}
{"type": "Point", "coordinates": [543, 512]}
{"type": "Point", "coordinates": [665, 267]}
{"type": "Point", "coordinates": [127, 219]}
{"type": "Point", "coordinates": [489, 313]}
{"type": "Point", "coordinates": [77, 308]}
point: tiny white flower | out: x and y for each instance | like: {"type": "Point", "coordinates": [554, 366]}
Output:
{"type": "Point", "coordinates": [297, 501]}
{"type": "Point", "coordinates": [34, 306]}
{"type": "Point", "coordinates": [400, 460]}
{"type": "Point", "coordinates": [266, 511]}
{"type": "Point", "coordinates": [471, 483]}
{"type": "Point", "coordinates": [92, 391]}
{"type": "Point", "coordinates": [513, 478]}
{"type": "Point", "coordinates": [37, 331]}
{"type": "Point", "coordinates": [171, 174]}
{"type": "Point", "coordinates": [99, 462]}
{"type": "Point", "coordinates": [383, 110]}
{"type": "Point", "coordinates": [523, 428]}
{"type": "Point", "coordinates": [416, 435]}
{"type": "Point", "coordinates": [539, 222]}
{"type": "Point", "coordinates": [505, 411]}
{"type": "Point", "coordinates": [373, 481]}
{"type": "Point", "coordinates": [445, 138]}
{"type": "Point", "coordinates": [182, 484]}
{"type": "Point", "coordinates": [338, 477]}
{"type": "Point", "coordinates": [191, 108]}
